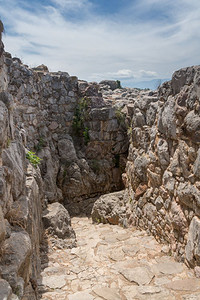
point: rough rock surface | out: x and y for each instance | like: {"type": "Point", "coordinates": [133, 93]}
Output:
{"type": "Point", "coordinates": [193, 242]}
{"type": "Point", "coordinates": [109, 208]}
{"type": "Point", "coordinates": [80, 137]}
{"type": "Point", "coordinates": [21, 198]}
{"type": "Point", "coordinates": [87, 135]}
{"type": "Point", "coordinates": [57, 223]}
{"type": "Point", "coordinates": [164, 158]}
{"type": "Point", "coordinates": [112, 84]}
{"type": "Point", "coordinates": [5, 290]}
{"type": "Point", "coordinates": [21, 201]}
{"type": "Point", "coordinates": [111, 263]}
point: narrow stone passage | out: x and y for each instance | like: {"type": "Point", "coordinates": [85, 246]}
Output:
{"type": "Point", "coordinates": [114, 263]}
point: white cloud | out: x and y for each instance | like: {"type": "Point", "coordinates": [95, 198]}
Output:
{"type": "Point", "coordinates": [71, 4]}
{"type": "Point", "coordinates": [147, 74]}
{"type": "Point", "coordinates": [99, 47]}
{"type": "Point", "coordinates": [126, 74]}
{"type": "Point", "coordinates": [121, 74]}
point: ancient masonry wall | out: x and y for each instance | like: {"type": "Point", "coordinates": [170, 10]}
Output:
{"type": "Point", "coordinates": [83, 146]}
{"type": "Point", "coordinates": [82, 143]}
{"type": "Point", "coordinates": [163, 170]}
{"type": "Point", "coordinates": [21, 199]}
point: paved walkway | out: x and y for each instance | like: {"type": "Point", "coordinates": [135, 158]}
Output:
{"type": "Point", "coordinates": [113, 263]}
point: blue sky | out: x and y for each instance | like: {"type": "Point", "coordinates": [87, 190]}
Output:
{"type": "Point", "coordinates": [133, 41]}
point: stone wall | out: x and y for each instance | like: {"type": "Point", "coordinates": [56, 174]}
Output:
{"type": "Point", "coordinates": [163, 169]}
{"type": "Point", "coordinates": [21, 198]}
{"type": "Point", "coordinates": [83, 146]}
{"type": "Point", "coordinates": [82, 143]}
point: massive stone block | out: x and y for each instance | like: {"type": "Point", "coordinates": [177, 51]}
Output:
{"type": "Point", "coordinates": [109, 209]}
{"type": "Point", "coordinates": [192, 249]}
{"type": "Point", "coordinates": [57, 220]}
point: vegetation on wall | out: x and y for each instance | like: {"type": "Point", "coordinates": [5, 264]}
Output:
{"type": "Point", "coordinates": [120, 115]}
{"type": "Point", "coordinates": [34, 159]}
{"type": "Point", "coordinates": [80, 117]}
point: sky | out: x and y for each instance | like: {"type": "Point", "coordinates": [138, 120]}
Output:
{"type": "Point", "coordinates": [138, 42]}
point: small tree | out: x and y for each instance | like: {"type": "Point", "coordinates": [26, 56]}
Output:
{"type": "Point", "coordinates": [119, 84]}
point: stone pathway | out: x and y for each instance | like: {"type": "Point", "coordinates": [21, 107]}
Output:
{"type": "Point", "coordinates": [113, 263]}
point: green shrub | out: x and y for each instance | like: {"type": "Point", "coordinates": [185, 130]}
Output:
{"type": "Point", "coordinates": [8, 142]}
{"type": "Point", "coordinates": [119, 84]}
{"type": "Point", "coordinates": [120, 116]}
{"type": "Point", "coordinates": [34, 159]}
{"type": "Point", "coordinates": [86, 135]}
{"type": "Point", "coordinates": [80, 116]}
{"type": "Point", "coordinates": [129, 131]}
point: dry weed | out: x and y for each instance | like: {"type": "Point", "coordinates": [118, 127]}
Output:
{"type": "Point", "coordinates": [4, 251]}
{"type": "Point", "coordinates": [14, 217]}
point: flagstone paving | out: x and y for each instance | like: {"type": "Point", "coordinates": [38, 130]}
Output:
{"type": "Point", "coordinates": [114, 263]}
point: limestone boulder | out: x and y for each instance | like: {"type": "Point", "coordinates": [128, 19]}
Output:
{"type": "Point", "coordinates": [57, 221]}
{"type": "Point", "coordinates": [174, 166]}
{"type": "Point", "coordinates": [192, 126]}
{"type": "Point", "coordinates": [140, 167]}
{"type": "Point", "coordinates": [151, 114]}
{"type": "Point", "coordinates": [102, 114]}
{"type": "Point", "coordinates": [188, 194]}
{"type": "Point", "coordinates": [16, 261]}
{"type": "Point", "coordinates": [192, 249]}
{"type": "Point", "coordinates": [41, 68]}
{"type": "Point", "coordinates": [139, 119]}
{"type": "Point", "coordinates": [111, 83]}
{"type": "Point", "coordinates": [168, 181]}
{"type": "Point", "coordinates": [182, 77]}
{"type": "Point", "coordinates": [5, 290]}
{"type": "Point", "coordinates": [163, 153]}
{"type": "Point", "coordinates": [49, 168]}
{"type": "Point", "coordinates": [109, 209]}
{"type": "Point", "coordinates": [167, 119]}
{"type": "Point", "coordinates": [66, 149]}
{"type": "Point", "coordinates": [178, 219]}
